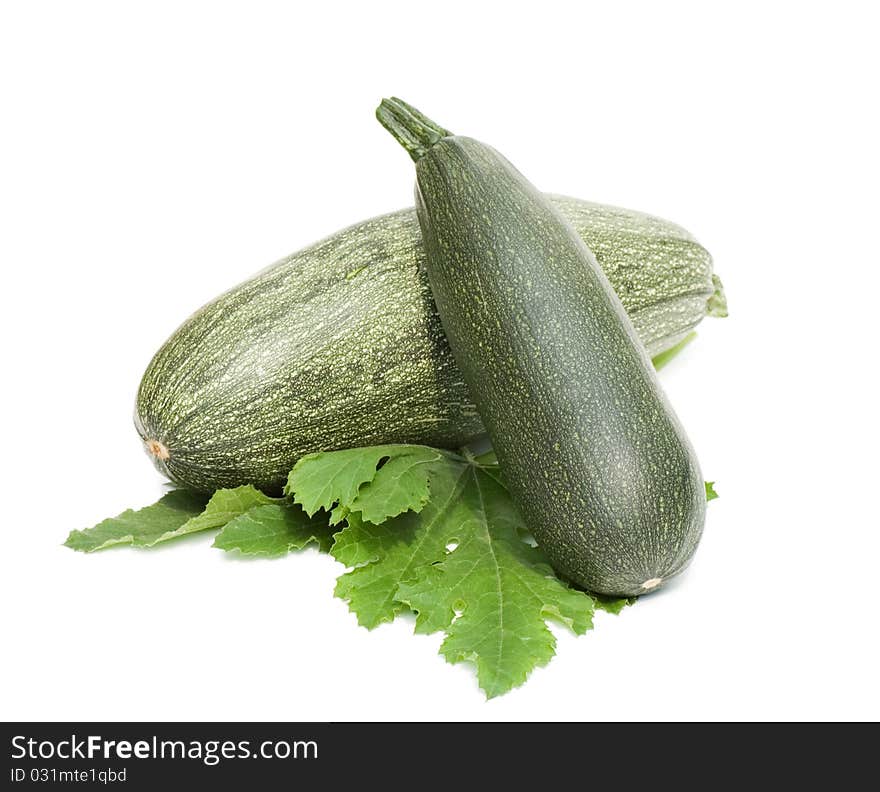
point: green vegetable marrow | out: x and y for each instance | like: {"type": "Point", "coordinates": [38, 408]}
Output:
{"type": "Point", "coordinates": [589, 448]}
{"type": "Point", "coordinates": [340, 346]}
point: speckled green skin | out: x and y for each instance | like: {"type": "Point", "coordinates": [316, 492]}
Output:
{"type": "Point", "coordinates": [589, 447]}
{"type": "Point", "coordinates": [340, 345]}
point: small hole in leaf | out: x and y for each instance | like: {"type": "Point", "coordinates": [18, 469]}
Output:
{"type": "Point", "coordinates": [451, 546]}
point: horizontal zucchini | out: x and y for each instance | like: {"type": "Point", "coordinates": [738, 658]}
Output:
{"type": "Point", "coordinates": [339, 345]}
{"type": "Point", "coordinates": [589, 448]}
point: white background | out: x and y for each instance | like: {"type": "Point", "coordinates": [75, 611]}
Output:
{"type": "Point", "coordinates": [155, 154]}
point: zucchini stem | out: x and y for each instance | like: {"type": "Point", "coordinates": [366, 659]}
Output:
{"type": "Point", "coordinates": [409, 127]}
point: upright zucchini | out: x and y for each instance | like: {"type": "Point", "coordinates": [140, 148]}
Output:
{"type": "Point", "coordinates": [339, 345]}
{"type": "Point", "coordinates": [590, 449]}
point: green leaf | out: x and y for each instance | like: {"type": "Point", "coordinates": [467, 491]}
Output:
{"type": "Point", "coordinates": [493, 593]}
{"type": "Point", "coordinates": [225, 505]}
{"type": "Point", "coordinates": [356, 480]}
{"type": "Point", "coordinates": [178, 513]}
{"type": "Point", "coordinates": [663, 358]}
{"type": "Point", "coordinates": [142, 526]}
{"type": "Point", "coordinates": [710, 491]}
{"type": "Point", "coordinates": [360, 543]}
{"type": "Point", "coordinates": [486, 459]}
{"type": "Point", "coordinates": [387, 554]}
{"type": "Point", "coordinates": [274, 530]}
{"type": "Point", "coordinates": [717, 303]}
{"type": "Point", "coordinates": [612, 604]}
{"type": "Point", "coordinates": [398, 547]}
{"type": "Point", "coordinates": [462, 563]}
{"type": "Point", "coordinates": [400, 485]}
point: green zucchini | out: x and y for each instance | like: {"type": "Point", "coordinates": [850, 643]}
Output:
{"type": "Point", "coordinates": [589, 447]}
{"type": "Point", "coordinates": [339, 345]}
